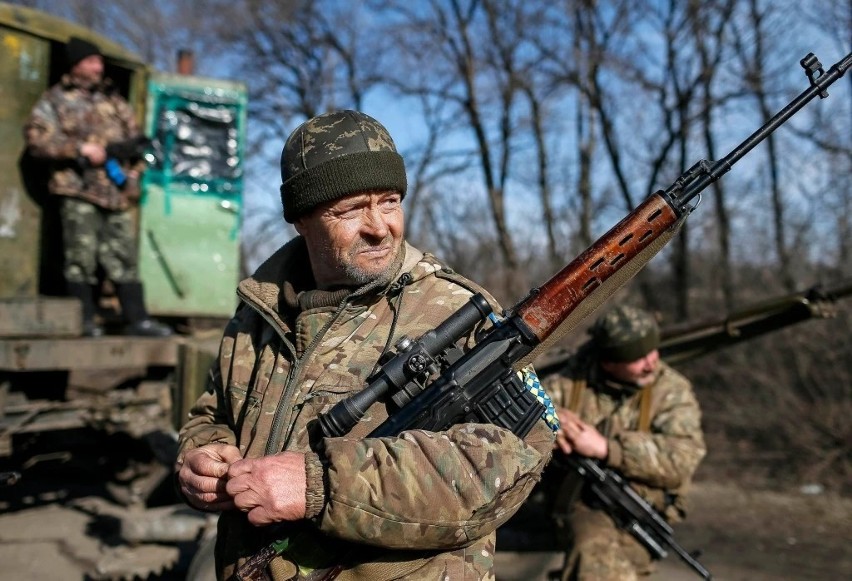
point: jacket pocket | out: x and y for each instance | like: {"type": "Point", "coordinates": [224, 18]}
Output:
{"type": "Point", "coordinates": [321, 400]}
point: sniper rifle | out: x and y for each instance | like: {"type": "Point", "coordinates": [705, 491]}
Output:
{"type": "Point", "coordinates": [483, 385]}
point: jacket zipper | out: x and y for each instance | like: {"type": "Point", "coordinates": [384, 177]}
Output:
{"type": "Point", "coordinates": [273, 444]}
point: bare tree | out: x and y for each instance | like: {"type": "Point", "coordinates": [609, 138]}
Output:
{"type": "Point", "coordinates": [299, 58]}
{"type": "Point", "coordinates": [755, 64]}
{"type": "Point", "coordinates": [709, 42]}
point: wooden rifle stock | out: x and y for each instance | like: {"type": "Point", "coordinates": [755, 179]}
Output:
{"type": "Point", "coordinates": [555, 308]}
{"type": "Point", "coordinates": [554, 301]}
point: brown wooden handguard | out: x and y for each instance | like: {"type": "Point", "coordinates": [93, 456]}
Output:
{"type": "Point", "coordinates": [551, 303]}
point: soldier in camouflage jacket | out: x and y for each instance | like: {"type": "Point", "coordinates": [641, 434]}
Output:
{"type": "Point", "coordinates": [70, 128]}
{"type": "Point", "coordinates": [618, 402]}
{"type": "Point", "coordinates": [312, 324]}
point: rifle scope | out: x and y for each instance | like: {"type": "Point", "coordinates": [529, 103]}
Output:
{"type": "Point", "coordinates": [414, 361]}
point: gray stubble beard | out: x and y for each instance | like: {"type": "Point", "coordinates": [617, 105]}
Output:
{"type": "Point", "coordinates": [360, 277]}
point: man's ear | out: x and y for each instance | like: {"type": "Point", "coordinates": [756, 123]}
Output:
{"type": "Point", "coordinates": [299, 225]}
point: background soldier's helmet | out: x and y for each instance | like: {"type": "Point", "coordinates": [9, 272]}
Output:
{"type": "Point", "coordinates": [625, 334]}
{"type": "Point", "coordinates": [334, 155]}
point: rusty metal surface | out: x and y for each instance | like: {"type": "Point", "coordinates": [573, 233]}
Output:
{"type": "Point", "coordinates": [40, 316]}
{"type": "Point", "coordinates": [101, 353]}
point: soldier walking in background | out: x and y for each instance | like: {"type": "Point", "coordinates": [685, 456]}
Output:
{"type": "Point", "coordinates": [70, 127]}
{"type": "Point", "coordinates": [619, 403]}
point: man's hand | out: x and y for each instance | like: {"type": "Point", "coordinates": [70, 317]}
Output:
{"type": "Point", "coordinates": [204, 474]}
{"type": "Point", "coordinates": [270, 489]}
{"type": "Point", "coordinates": [96, 154]}
{"type": "Point", "coordinates": [575, 435]}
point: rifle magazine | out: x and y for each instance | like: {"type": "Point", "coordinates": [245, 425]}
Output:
{"type": "Point", "coordinates": [510, 405]}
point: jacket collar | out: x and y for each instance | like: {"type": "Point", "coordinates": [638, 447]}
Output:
{"type": "Point", "coordinates": [277, 285]}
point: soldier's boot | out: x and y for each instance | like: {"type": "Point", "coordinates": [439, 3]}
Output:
{"type": "Point", "coordinates": [85, 293]}
{"type": "Point", "coordinates": [132, 300]}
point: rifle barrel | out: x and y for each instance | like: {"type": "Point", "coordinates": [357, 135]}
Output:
{"type": "Point", "coordinates": [818, 88]}
{"type": "Point", "coordinates": [551, 311]}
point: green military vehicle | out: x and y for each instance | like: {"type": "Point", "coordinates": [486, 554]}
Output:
{"type": "Point", "coordinates": [109, 406]}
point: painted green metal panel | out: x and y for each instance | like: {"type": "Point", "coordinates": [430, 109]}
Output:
{"type": "Point", "coordinates": [190, 209]}
{"type": "Point", "coordinates": [23, 76]}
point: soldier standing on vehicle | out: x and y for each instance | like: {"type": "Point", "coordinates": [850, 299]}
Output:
{"type": "Point", "coordinates": [312, 325]}
{"type": "Point", "coordinates": [70, 127]}
{"type": "Point", "coordinates": [619, 403]}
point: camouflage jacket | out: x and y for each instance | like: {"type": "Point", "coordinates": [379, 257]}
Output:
{"type": "Point", "coordinates": [660, 459]}
{"type": "Point", "coordinates": [423, 505]}
{"type": "Point", "coordinates": [67, 116]}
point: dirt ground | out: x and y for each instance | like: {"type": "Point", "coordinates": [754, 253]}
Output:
{"type": "Point", "coordinates": [743, 535]}
{"type": "Point", "coordinates": [754, 535]}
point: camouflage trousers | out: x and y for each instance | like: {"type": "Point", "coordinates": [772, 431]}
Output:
{"type": "Point", "coordinates": [92, 235]}
{"type": "Point", "coordinates": [600, 551]}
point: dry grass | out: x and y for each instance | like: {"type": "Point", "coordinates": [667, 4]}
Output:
{"type": "Point", "coordinates": [778, 408]}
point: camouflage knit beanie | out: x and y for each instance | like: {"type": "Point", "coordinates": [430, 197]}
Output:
{"type": "Point", "coordinates": [625, 334]}
{"type": "Point", "coordinates": [334, 155]}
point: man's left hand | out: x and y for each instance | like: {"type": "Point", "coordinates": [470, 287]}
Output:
{"type": "Point", "coordinates": [270, 489]}
{"type": "Point", "coordinates": [575, 435]}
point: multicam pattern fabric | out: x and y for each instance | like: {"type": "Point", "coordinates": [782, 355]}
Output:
{"type": "Point", "coordinates": [602, 552]}
{"type": "Point", "coordinates": [421, 506]}
{"type": "Point", "coordinates": [66, 117]}
{"type": "Point", "coordinates": [658, 463]}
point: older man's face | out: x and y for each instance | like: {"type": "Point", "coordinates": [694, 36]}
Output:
{"type": "Point", "coordinates": [640, 372]}
{"type": "Point", "coordinates": [354, 240]}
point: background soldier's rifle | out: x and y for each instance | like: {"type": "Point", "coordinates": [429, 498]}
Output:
{"type": "Point", "coordinates": [128, 150]}
{"type": "Point", "coordinates": [630, 511]}
{"type": "Point", "coordinates": [483, 384]}
{"type": "Point", "coordinates": [685, 343]}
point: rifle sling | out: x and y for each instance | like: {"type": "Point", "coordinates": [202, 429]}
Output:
{"type": "Point", "coordinates": [645, 408]}
{"type": "Point", "coordinates": [577, 392]}
{"type": "Point", "coordinates": [578, 389]}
